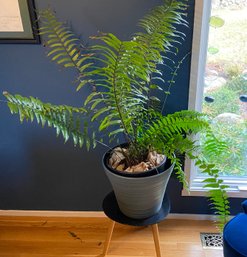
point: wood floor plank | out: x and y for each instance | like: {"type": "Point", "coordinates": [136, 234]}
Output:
{"type": "Point", "coordinates": [84, 237]}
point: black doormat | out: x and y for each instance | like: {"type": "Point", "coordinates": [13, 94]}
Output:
{"type": "Point", "coordinates": [211, 240]}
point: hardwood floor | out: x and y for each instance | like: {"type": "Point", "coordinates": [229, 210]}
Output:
{"type": "Point", "coordinates": [76, 237]}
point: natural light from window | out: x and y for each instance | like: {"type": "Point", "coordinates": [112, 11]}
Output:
{"type": "Point", "coordinates": [219, 85]}
{"type": "Point", "coordinates": [225, 81]}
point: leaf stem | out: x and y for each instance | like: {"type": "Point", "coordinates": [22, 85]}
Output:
{"type": "Point", "coordinates": [116, 99]}
{"type": "Point", "coordinates": [172, 79]}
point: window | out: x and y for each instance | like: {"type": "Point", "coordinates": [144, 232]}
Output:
{"type": "Point", "coordinates": [218, 85]}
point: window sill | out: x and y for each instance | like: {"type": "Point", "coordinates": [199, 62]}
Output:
{"type": "Point", "coordinates": [238, 188]}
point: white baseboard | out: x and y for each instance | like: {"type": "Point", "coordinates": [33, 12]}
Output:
{"type": "Point", "coordinates": [93, 214]}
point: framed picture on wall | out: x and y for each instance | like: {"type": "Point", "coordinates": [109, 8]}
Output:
{"type": "Point", "coordinates": [18, 22]}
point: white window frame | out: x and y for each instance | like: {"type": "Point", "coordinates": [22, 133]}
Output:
{"type": "Point", "coordinates": [238, 187]}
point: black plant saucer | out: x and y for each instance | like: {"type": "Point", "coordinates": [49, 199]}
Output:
{"type": "Point", "coordinates": [111, 209]}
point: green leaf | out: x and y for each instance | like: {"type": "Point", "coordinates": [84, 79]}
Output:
{"type": "Point", "coordinates": [209, 180]}
{"type": "Point", "coordinates": [58, 56]}
{"type": "Point", "coordinates": [63, 60]}
{"type": "Point", "coordinates": [85, 66]}
{"type": "Point", "coordinates": [82, 83]}
{"type": "Point", "coordinates": [216, 22]}
{"type": "Point", "coordinates": [213, 50]}
{"type": "Point", "coordinates": [114, 132]}
{"type": "Point", "coordinates": [13, 107]}
{"type": "Point", "coordinates": [90, 97]}
{"type": "Point", "coordinates": [55, 51]}
{"type": "Point", "coordinates": [100, 112]}
{"type": "Point", "coordinates": [153, 86]}
{"type": "Point", "coordinates": [154, 98]}
{"type": "Point", "coordinates": [213, 185]}
{"type": "Point", "coordinates": [88, 143]}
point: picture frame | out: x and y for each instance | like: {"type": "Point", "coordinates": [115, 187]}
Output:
{"type": "Point", "coordinates": [18, 22]}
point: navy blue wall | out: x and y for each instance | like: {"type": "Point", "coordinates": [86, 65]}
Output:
{"type": "Point", "coordinates": [37, 170]}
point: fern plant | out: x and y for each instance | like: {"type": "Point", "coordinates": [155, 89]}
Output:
{"type": "Point", "coordinates": [126, 78]}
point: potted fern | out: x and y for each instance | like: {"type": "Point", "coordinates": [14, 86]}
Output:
{"type": "Point", "coordinates": [124, 78]}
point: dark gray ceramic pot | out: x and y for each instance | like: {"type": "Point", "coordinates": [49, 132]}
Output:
{"type": "Point", "coordinates": [139, 196]}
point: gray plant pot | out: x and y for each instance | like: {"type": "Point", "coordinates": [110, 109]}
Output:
{"type": "Point", "coordinates": [139, 197]}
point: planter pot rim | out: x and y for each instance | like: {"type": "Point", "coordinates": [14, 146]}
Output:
{"type": "Point", "coordinates": [140, 177]}
{"type": "Point", "coordinates": [158, 170]}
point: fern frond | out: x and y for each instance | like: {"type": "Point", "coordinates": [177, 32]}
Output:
{"type": "Point", "coordinates": [216, 191]}
{"type": "Point", "coordinates": [64, 47]}
{"type": "Point", "coordinates": [159, 25]}
{"type": "Point", "coordinates": [161, 37]}
{"type": "Point", "coordinates": [169, 135]}
{"type": "Point", "coordinates": [179, 123]}
{"type": "Point", "coordinates": [127, 67]}
{"type": "Point", "coordinates": [120, 71]}
{"type": "Point", "coordinates": [180, 174]}
{"type": "Point", "coordinates": [65, 119]}
{"type": "Point", "coordinates": [212, 146]}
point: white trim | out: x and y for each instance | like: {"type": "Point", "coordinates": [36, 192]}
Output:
{"type": "Point", "coordinates": [93, 214]}
{"type": "Point", "coordinates": [202, 192]}
{"type": "Point", "coordinates": [235, 190]}
{"type": "Point", "coordinates": [199, 52]}
{"type": "Point", "coordinates": [198, 62]}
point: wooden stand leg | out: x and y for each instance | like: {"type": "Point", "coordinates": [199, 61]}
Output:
{"type": "Point", "coordinates": [155, 231]}
{"type": "Point", "coordinates": [108, 238]}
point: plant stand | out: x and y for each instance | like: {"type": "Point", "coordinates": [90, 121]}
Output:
{"type": "Point", "coordinates": [113, 212]}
